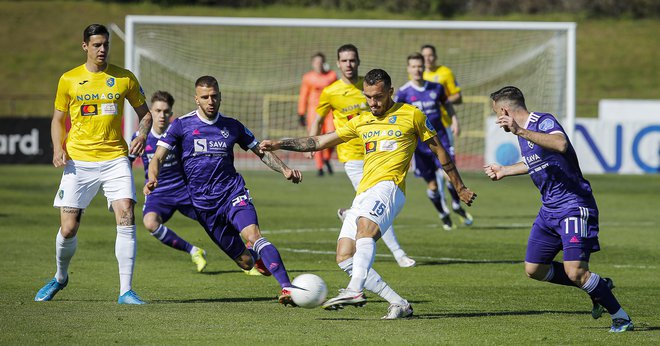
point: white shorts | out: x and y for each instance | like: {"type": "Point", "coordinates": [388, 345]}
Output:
{"type": "Point", "coordinates": [81, 181]}
{"type": "Point", "coordinates": [354, 170]}
{"type": "Point", "coordinates": [380, 204]}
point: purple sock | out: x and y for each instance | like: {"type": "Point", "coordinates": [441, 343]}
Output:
{"type": "Point", "coordinates": [171, 239]}
{"type": "Point", "coordinates": [272, 260]}
{"type": "Point", "coordinates": [434, 197]}
{"type": "Point", "coordinates": [599, 291]}
{"type": "Point", "coordinates": [559, 276]}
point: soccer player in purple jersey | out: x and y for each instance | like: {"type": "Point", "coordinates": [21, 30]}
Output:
{"type": "Point", "coordinates": [568, 219]}
{"type": "Point", "coordinates": [221, 201]}
{"type": "Point", "coordinates": [172, 195]}
{"type": "Point", "coordinates": [430, 98]}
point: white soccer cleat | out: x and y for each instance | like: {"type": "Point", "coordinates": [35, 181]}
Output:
{"type": "Point", "coordinates": [345, 297]}
{"type": "Point", "coordinates": [396, 311]}
{"type": "Point", "coordinates": [405, 261]}
{"type": "Point", "coordinates": [341, 214]}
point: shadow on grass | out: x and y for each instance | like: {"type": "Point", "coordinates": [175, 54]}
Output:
{"type": "Point", "coordinates": [213, 300]}
{"type": "Point", "coordinates": [496, 313]}
{"type": "Point", "coordinates": [238, 271]}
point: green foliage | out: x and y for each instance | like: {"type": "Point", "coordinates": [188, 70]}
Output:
{"type": "Point", "coordinates": [468, 288]}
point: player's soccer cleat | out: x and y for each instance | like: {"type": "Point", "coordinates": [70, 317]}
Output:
{"type": "Point", "coordinates": [345, 297]}
{"type": "Point", "coordinates": [341, 214]}
{"type": "Point", "coordinates": [620, 325]}
{"type": "Point", "coordinates": [254, 272]}
{"type": "Point", "coordinates": [130, 298]}
{"type": "Point", "coordinates": [405, 261]}
{"type": "Point", "coordinates": [465, 217]}
{"type": "Point", "coordinates": [396, 311]}
{"type": "Point", "coordinates": [597, 309]}
{"type": "Point", "coordinates": [261, 267]}
{"type": "Point", "coordinates": [47, 292]}
{"type": "Point", "coordinates": [447, 225]}
{"type": "Point", "coordinates": [285, 298]}
{"type": "Point", "coordinates": [199, 259]}
{"type": "Point", "coordinates": [329, 167]}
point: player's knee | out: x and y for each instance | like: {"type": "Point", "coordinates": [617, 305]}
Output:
{"type": "Point", "coordinates": [151, 225]}
{"type": "Point", "coordinates": [577, 275]}
{"type": "Point", "coordinates": [534, 271]}
{"type": "Point", "coordinates": [69, 231]}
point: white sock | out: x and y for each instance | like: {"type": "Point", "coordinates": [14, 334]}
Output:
{"type": "Point", "coordinates": [389, 237]}
{"type": "Point", "coordinates": [125, 250]}
{"type": "Point", "coordinates": [365, 251]}
{"type": "Point", "coordinates": [193, 249]}
{"type": "Point", "coordinates": [374, 283]}
{"type": "Point", "coordinates": [440, 179]}
{"type": "Point", "coordinates": [64, 250]}
{"type": "Point", "coordinates": [621, 314]}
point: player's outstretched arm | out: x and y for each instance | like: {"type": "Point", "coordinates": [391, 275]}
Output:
{"type": "Point", "coordinates": [137, 144]}
{"type": "Point", "coordinates": [273, 162]}
{"type": "Point", "coordinates": [58, 133]}
{"type": "Point", "coordinates": [154, 168]}
{"type": "Point", "coordinates": [302, 144]}
{"type": "Point", "coordinates": [497, 172]}
{"type": "Point", "coordinates": [455, 129]}
{"type": "Point", "coordinates": [466, 195]}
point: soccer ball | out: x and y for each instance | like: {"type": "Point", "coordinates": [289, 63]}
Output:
{"type": "Point", "coordinates": [308, 291]}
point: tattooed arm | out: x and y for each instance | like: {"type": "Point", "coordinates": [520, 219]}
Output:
{"type": "Point", "coordinates": [314, 143]}
{"type": "Point", "coordinates": [137, 145]}
{"type": "Point", "coordinates": [273, 162]}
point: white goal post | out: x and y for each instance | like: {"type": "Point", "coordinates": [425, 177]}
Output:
{"type": "Point", "coordinates": [259, 63]}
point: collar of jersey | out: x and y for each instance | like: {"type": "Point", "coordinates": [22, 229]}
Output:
{"type": "Point", "coordinates": [210, 122]}
{"type": "Point", "coordinates": [418, 88]}
{"type": "Point", "coordinates": [153, 133]}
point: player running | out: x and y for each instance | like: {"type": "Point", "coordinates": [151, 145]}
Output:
{"type": "Point", "coordinates": [568, 219]}
{"type": "Point", "coordinates": [431, 99]}
{"type": "Point", "coordinates": [220, 198]}
{"type": "Point", "coordinates": [172, 195]}
{"type": "Point", "coordinates": [389, 134]}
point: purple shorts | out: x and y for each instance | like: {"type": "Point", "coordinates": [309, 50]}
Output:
{"type": "Point", "coordinates": [425, 163]}
{"type": "Point", "coordinates": [166, 204]}
{"type": "Point", "coordinates": [223, 225]}
{"type": "Point", "coordinates": [573, 230]}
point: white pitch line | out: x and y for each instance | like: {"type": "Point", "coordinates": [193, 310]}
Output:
{"type": "Point", "coordinates": [633, 266]}
{"type": "Point", "coordinates": [319, 252]}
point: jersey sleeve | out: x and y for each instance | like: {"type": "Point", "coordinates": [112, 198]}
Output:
{"type": "Point", "coordinates": [172, 135]}
{"type": "Point", "coordinates": [324, 104]}
{"type": "Point", "coordinates": [399, 96]}
{"type": "Point", "coordinates": [246, 140]}
{"type": "Point", "coordinates": [348, 131]}
{"type": "Point", "coordinates": [135, 93]}
{"type": "Point", "coordinates": [303, 96]}
{"type": "Point", "coordinates": [62, 96]}
{"type": "Point", "coordinates": [423, 125]}
{"type": "Point", "coordinates": [452, 85]}
{"type": "Point", "coordinates": [548, 124]}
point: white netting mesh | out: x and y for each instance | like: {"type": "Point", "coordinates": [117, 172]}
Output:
{"type": "Point", "coordinates": [260, 67]}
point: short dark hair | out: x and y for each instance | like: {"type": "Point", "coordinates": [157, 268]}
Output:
{"type": "Point", "coordinates": [94, 29]}
{"type": "Point", "coordinates": [348, 48]}
{"type": "Point", "coordinates": [415, 56]}
{"type": "Point", "coordinates": [377, 75]}
{"type": "Point", "coordinates": [163, 96]}
{"type": "Point", "coordinates": [428, 46]}
{"type": "Point", "coordinates": [509, 93]}
{"type": "Point", "coordinates": [320, 55]}
{"type": "Point", "coordinates": [207, 81]}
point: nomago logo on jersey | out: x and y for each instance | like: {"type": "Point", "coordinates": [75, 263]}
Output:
{"type": "Point", "coordinates": [27, 144]}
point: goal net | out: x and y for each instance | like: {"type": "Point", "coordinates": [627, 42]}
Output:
{"type": "Point", "coordinates": [259, 63]}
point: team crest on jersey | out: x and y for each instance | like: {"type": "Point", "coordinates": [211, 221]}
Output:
{"type": "Point", "coordinates": [393, 119]}
{"type": "Point", "coordinates": [428, 125]}
{"type": "Point", "coordinates": [433, 95]}
{"type": "Point", "coordinates": [110, 82]}
{"type": "Point", "coordinates": [370, 147]}
{"type": "Point", "coordinates": [224, 132]}
{"type": "Point", "coordinates": [530, 144]}
{"type": "Point", "coordinates": [89, 110]}
{"type": "Point", "coordinates": [546, 125]}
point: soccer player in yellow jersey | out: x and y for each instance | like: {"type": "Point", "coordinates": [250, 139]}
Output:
{"type": "Point", "coordinates": [345, 100]}
{"type": "Point", "coordinates": [389, 135]}
{"type": "Point", "coordinates": [95, 155]}
{"type": "Point", "coordinates": [443, 75]}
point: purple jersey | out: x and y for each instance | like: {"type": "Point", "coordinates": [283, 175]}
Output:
{"type": "Point", "coordinates": [428, 98]}
{"type": "Point", "coordinates": [170, 176]}
{"type": "Point", "coordinates": [207, 154]}
{"type": "Point", "coordinates": [557, 176]}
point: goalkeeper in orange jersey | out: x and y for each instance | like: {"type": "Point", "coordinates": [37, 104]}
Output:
{"type": "Point", "coordinates": [311, 87]}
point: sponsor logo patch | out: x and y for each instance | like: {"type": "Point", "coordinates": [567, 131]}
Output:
{"type": "Point", "coordinates": [370, 147]}
{"type": "Point", "coordinates": [428, 125]}
{"type": "Point", "coordinates": [200, 145]}
{"type": "Point", "coordinates": [108, 109]}
{"type": "Point", "coordinates": [388, 145]}
{"type": "Point", "coordinates": [89, 110]}
{"type": "Point", "coordinates": [546, 125]}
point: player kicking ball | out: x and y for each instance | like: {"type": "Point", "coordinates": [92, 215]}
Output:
{"type": "Point", "coordinates": [220, 198]}
{"type": "Point", "coordinates": [389, 134]}
{"type": "Point", "coordinates": [568, 219]}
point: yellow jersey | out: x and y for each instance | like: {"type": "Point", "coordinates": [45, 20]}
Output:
{"type": "Point", "coordinates": [444, 76]}
{"type": "Point", "coordinates": [389, 142]}
{"type": "Point", "coordinates": [95, 103]}
{"type": "Point", "coordinates": [346, 101]}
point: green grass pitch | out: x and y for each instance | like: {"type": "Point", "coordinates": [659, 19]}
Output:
{"type": "Point", "coordinates": [468, 288]}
